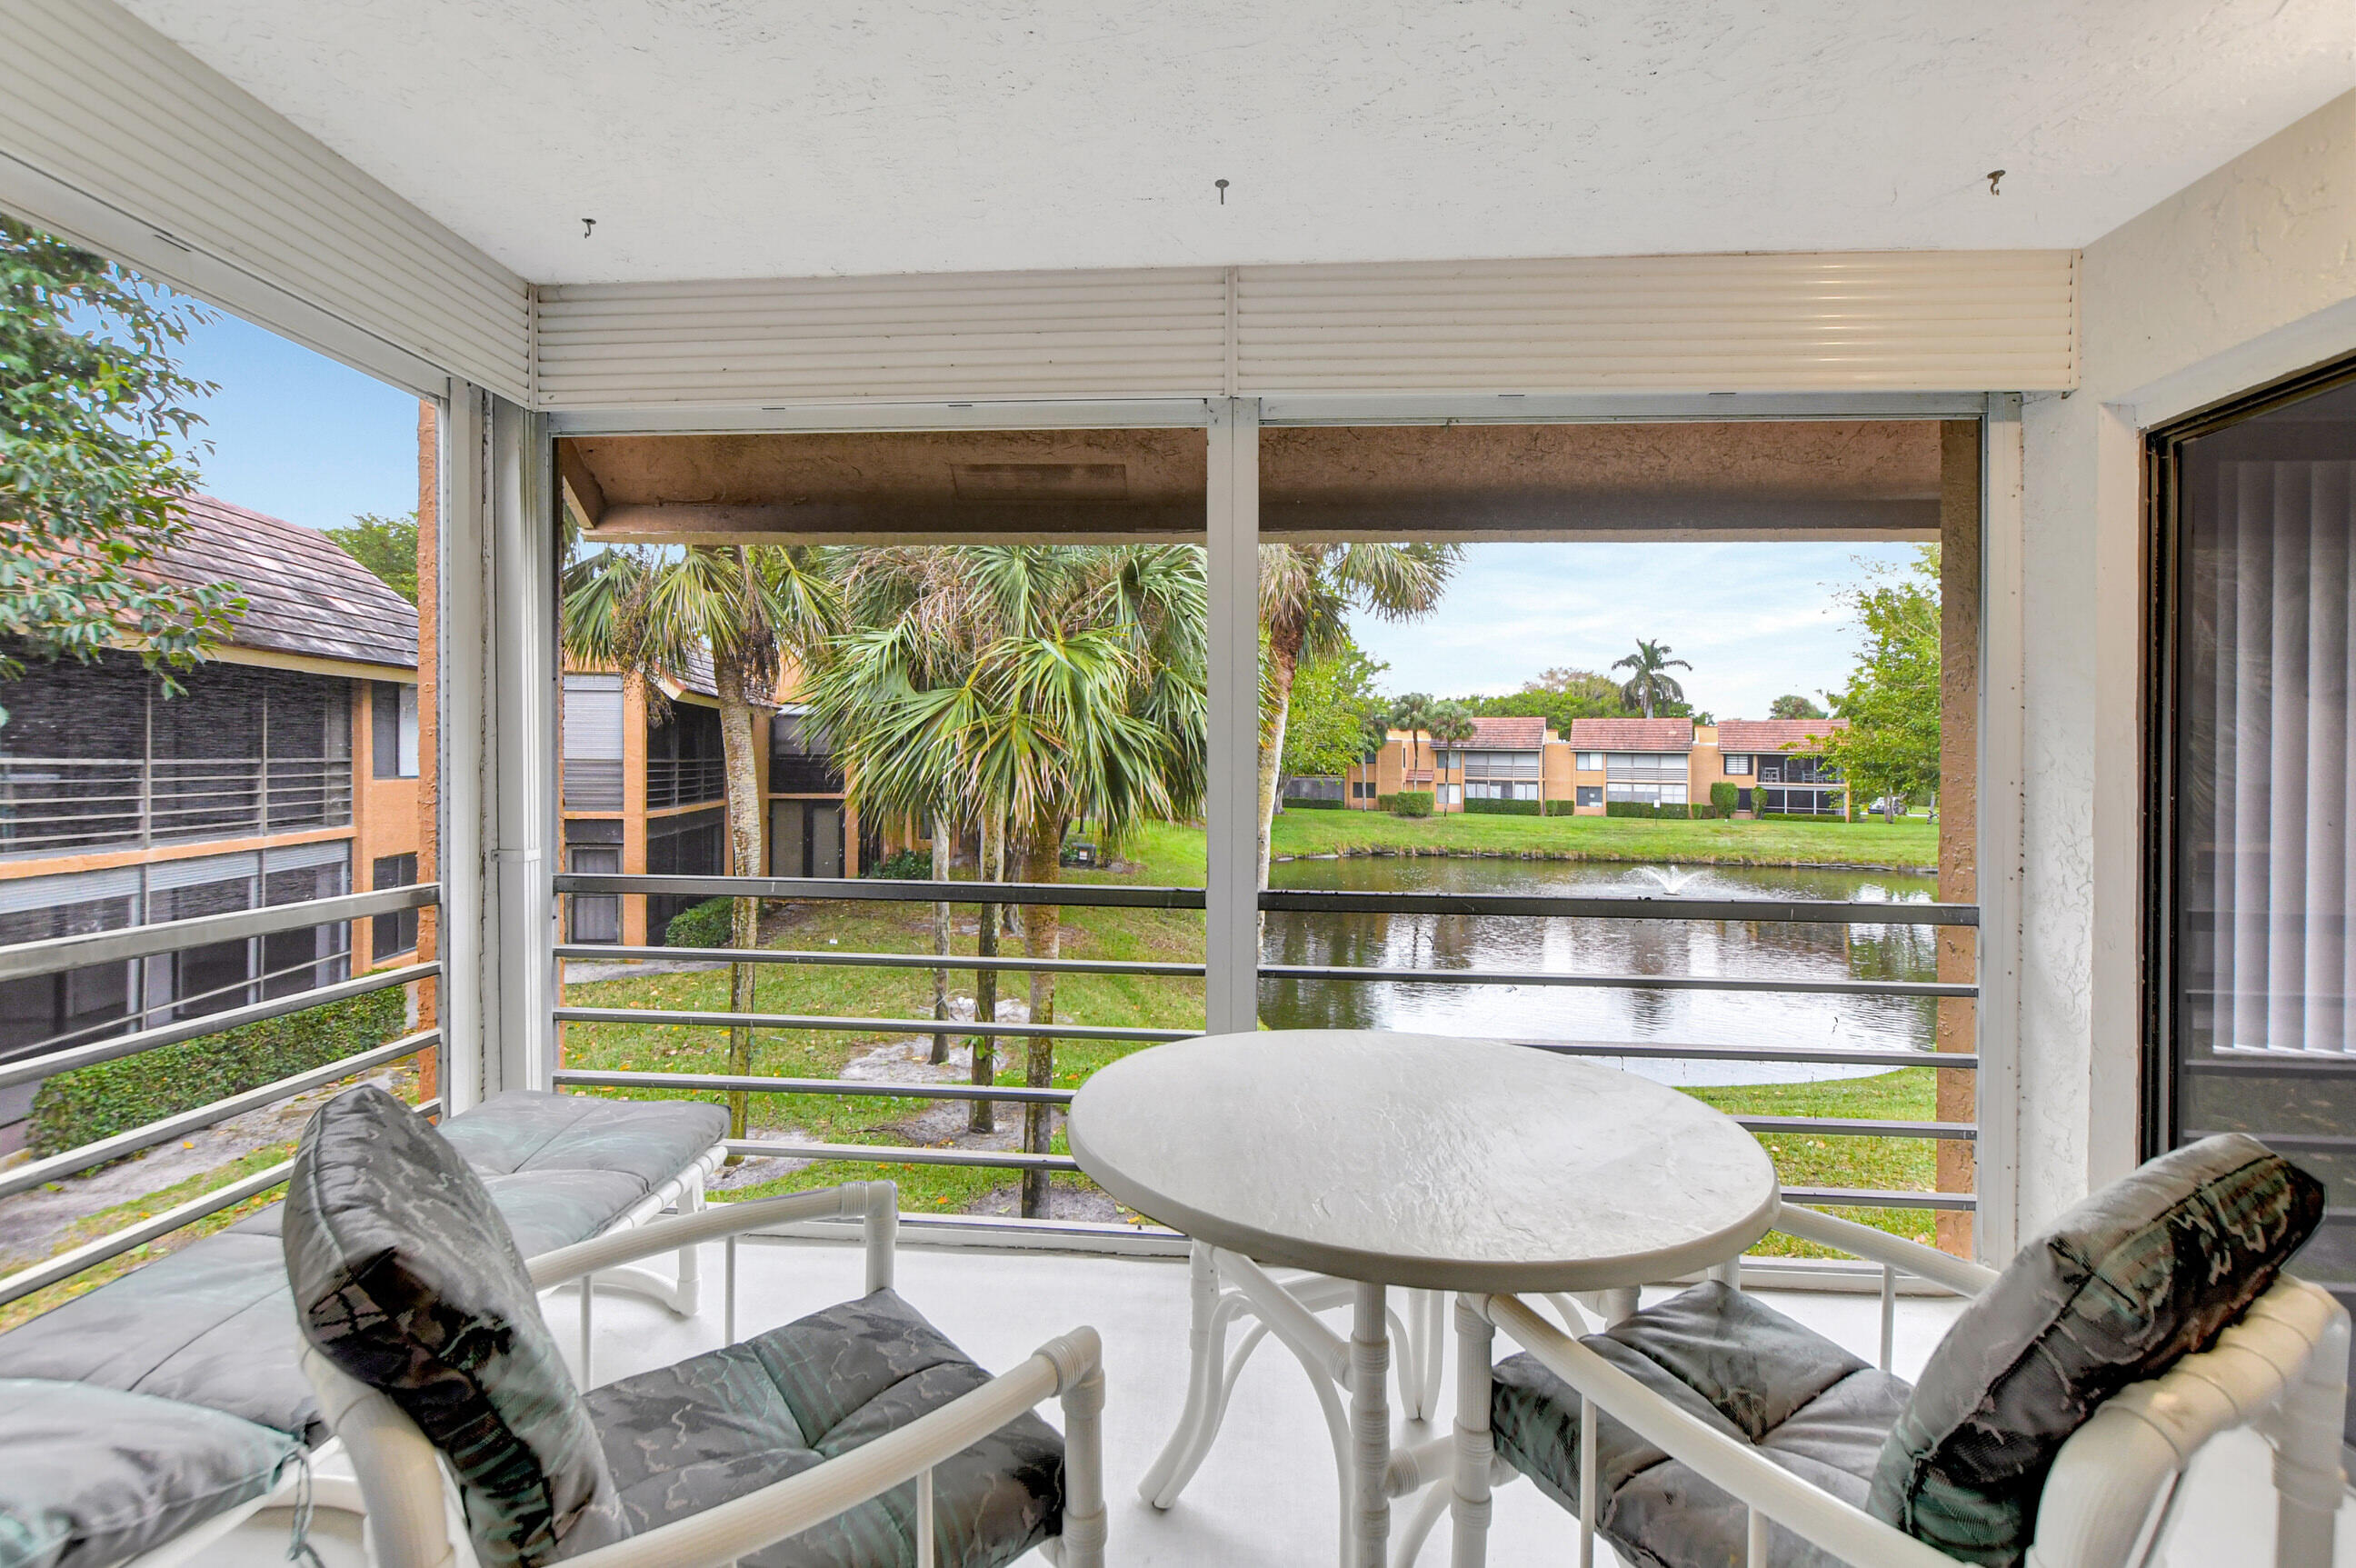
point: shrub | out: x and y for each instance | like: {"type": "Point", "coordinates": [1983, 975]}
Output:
{"type": "Point", "coordinates": [908, 865]}
{"type": "Point", "coordinates": [99, 1101]}
{"type": "Point", "coordinates": [707, 925]}
{"type": "Point", "coordinates": [1306, 805]}
{"type": "Point", "coordinates": [1724, 797]}
{"type": "Point", "coordinates": [1386, 802]}
{"type": "Point", "coordinates": [1647, 809]}
{"type": "Point", "coordinates": [1503, 807]}
{"type": "Point", "coordinates": [1562, 808]}
{"type": "Point", "coordinates": [1412, 802]}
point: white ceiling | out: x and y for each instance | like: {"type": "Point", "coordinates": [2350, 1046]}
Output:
{"type": "Point", "coordinates": [728, 138]}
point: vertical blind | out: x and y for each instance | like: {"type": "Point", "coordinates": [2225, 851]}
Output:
{"type": "Point", "coordinates": [2268, 788]}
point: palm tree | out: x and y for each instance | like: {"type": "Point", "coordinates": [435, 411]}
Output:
{"type": "Point", "coordinates": [1412, 714]}
{"type": "Point", "coordinates": [1650, 681]}
{"type": "Point", "coordinates": [1306, 592]}
{"type": "Point", "coordinates": [650, 615]}
{"type": "Point", "coordinates": [1451, 724]}
{"type": "Point", "coordinates": [1022, 687]}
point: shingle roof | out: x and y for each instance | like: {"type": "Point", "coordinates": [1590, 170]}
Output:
{"type": "Point", "coordinates": [304, 595]}
{"type": "Point", "coordinates": [1772, 735]}
{"type": "Point", "coordinates": [1632, 734]}
{"type": "Point", "coordinates": [1508, 733]}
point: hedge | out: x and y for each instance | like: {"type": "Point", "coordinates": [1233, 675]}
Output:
{"type": "Point", "coordinates": [1387, 803]}
{"type": "Point", "coordinates": [708, 924]}
{"type": "Point", "coordinates": [1503, 807]}
{"type": "Point", "coordinates": [908, 865]}
{"type": "Point", "coordinates": [1648, 810]}
{"type": "Point", "coordinates": [1724, 797]}
{"type": "Point", "coordinates": [1412, 802]}
{"type": "Point", "coordinates": [99, 1101]}
{"type": "Point", "coordinates": [1303, 804]}
{"type": "Point", "coordinates": [1562, 808]}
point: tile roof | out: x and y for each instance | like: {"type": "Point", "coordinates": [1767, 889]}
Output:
{"type": "Point", "coordinates": [1771, 735]}
{"type": "Point", "coordinates": [1508, 733]}
{"type": "Point", "coordinates": [1632, 734]}
{"type": "Point", "coordinates": [304, 595]}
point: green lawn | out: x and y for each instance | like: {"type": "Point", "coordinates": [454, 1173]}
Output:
{"type": "Point", "coordinates": [1911, 842]}
{"type": "Point", "coordinates": [1166, 855]}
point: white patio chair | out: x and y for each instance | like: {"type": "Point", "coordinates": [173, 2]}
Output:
{"type": "Point", "coordinates": [679, 1480]}
{"type": "Point", "coordinates": [2107, 1501]}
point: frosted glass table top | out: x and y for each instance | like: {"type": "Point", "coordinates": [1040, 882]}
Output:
{"type": "Point", "coordinates": [1418, 1161]}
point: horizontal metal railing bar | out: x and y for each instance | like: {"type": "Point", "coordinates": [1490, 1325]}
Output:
{"type": "Point", "coordinates": [896, 1155]}
{"type": "Point", "coordinates": [1863, 1197]}
{"type": "Point", "coordinates": [1862, 1127]}
{"type": "Point", "coordinates": [602, 952]}
{"type": "Point", "coordinates": [65, 1265]}
{"type": "Point", "coordinates": [696, 1019]}
{"type": "Point", "coordinates": [1621, 982]}
{"type": "Point", "coordinates": [1827, 1055]}
{"type": "Point", "coordinates": [54, 955]}
{"type": "Point", "coordinates": [599, 1078]}
{"type": "Point", "coordinates": [1565, 906]}
{"type": "Point", "coordinates": [1101, 894]}
{"type": "Point", "coordinates": [879, 890]}
{"type": "Point", "coordinates": [28, 1069]}
{"type": "Point", "coordinates": [24, 1178]}
{"type": "Point", "coordinates": [173, 1004]}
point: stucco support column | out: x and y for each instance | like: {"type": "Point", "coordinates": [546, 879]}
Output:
{"type": "Point", "coordinates": [497, 698]}
{"type": "Point", "coordinates": [1231, 925]}
{"type": "Point", "coordinates": [1959, 713]}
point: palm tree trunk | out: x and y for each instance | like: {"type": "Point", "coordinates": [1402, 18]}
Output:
{"type": "Point", "coordinates": [985, 981]}
{"type": "Point", "coordinates": [1283, 664]}
{"type": "Point", "coordinates": [745, 847]}
{"type": "Point", "coordinates": [940, 937]}
{"type": "Point", "coordinates": [1042, 934]}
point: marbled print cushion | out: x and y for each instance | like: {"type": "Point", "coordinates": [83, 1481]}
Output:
{"type": "Point", "coordinates": [2140, 1274]}
{"type": "Point", "coordinates": [406, 1277]}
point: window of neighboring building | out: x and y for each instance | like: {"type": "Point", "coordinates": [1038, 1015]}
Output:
{"type": "Point", "coordinates": [393, 729]}
{"type": "Point", "coordinates": [1737, 764]}
{"type": "Point", "coordinates": [1651, 794]}
{"type": "Point", "coordinates": [396, 933]}
{"type": "Point", "coordinates": [1451, 794]}
{"type": "Point", "coordinates": [1591, 762]}
{"type": "Point", "coordinates": [591, 744]}
{"type": "Point", "coordinates": [1591, 794]}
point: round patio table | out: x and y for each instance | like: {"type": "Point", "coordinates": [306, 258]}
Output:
{"type": "Point", "coordinates": [1403, 1160]}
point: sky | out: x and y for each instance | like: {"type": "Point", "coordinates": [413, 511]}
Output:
{"type": "Point", "coordinates": [1755, 621]}
{"type": "Point", "coordinates": [295, 433]}
{"type": "Point", "coordinates": [300, 436]}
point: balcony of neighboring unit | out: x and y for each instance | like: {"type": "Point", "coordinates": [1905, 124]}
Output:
{"type": "Point", "coordinates": [684, 781]}
{"type": "Point", "coordinates": [54, 805]}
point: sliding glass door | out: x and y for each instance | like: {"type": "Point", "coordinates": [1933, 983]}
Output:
{"type": "Point", "coordinates": [2253, 898]}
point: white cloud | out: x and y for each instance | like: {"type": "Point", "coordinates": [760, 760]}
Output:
{"type": "Point", "coordinates": [1755, 620]}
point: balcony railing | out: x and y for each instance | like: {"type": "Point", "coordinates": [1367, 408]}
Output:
{"type": "Point", "coordinates": [63, 954]}
{"type": "Point", "coordinates": [52, 804]}
{"type": "Point", "coordinates": [685, 780]}
{"type": "Point", "coordinates": [1086, 895]}
{"type": "Point", "coordinates": [804, 773]}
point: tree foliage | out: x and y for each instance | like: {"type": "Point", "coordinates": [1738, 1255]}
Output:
{"type": "Point", "coordinates": [386, 546]}
{"type": "Point", "coordinates": [1558, 696]}
{"type": "Point", "coordinates": [1650, 686]}
{"type": "Point", "coordinates": [1333, 707]}
{"type": "Point", "coordinates": [1793, 705]}
{"type": "Point", "coordinates": [1890, 747]}
{"type": "Point", "coordinates": [96, 441]}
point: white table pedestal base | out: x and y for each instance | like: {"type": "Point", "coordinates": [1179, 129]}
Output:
{"type": "Point", "coordinates": [1225, 1287]}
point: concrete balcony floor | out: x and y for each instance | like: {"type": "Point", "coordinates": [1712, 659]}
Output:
{"type": "Point", "coordinates": [1266, 1496]}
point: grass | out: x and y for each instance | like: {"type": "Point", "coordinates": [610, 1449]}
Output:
{"type": "Point", "coordinates": [1908, 843]}
{"type": "Point", "coordinates": [1810, 1159]}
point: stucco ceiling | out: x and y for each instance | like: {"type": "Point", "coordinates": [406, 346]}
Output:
{"type": "Point", "coordinates": [719, 138]}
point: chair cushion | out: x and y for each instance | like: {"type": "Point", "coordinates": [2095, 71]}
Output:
{"type": "Point", "coordinates": [649, 1140]}
{"type": "Point", "coordinates": [2143, 1273]}
{"type": "Point", "coordinates": [212, 1323]}
{"type": "Point", "coordinates": [682, 1439]}
{"type": "Point", "coordinates": [1739, 1365]}
{"type": "Point", "coordinates": [91, 1477]}
{"type": "Point", "coordinates": [406, 1278]}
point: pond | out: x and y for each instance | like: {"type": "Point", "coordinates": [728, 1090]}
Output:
{"type": "Point", "coordinates": [1735, 949]}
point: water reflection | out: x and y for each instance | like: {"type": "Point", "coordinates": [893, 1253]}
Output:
{"type": "Point", "coordinates": [1727, 948]}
